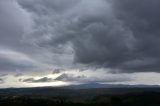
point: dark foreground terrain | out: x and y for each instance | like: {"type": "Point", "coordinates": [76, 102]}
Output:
{"type": "Point", "coordinates": [49, 96]}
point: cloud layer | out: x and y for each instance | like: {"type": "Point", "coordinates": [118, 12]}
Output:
{"type": "Point", "coordinates": [101, 33]}
{"type": "Point", "coordinates": [58, 35]}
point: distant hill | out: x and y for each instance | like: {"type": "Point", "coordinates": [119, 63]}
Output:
{"type": "Point", "coordinates": [91, 94]}
{"type": "Point", "coordinates": [82, 89]}
{"type": "Point", "coordinates": [98, 85]}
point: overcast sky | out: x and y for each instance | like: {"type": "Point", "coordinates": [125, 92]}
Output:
{"type": "Point", "coordinates": [58, 42]}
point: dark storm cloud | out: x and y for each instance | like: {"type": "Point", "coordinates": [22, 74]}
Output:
{"type": "Point", "coordinates": [129, 41]}
{"type": "Point", "coordinates": [93, 32]}
{"type": "Point", "coordinates": [120, 35]}
{"type": "Point", "coordinates": [142, 18]}
{"type": "Point", "coordinates": [32, 80]}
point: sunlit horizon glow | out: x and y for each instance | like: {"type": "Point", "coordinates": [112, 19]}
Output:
{"type": "Point", "coordinates": [79, 77]}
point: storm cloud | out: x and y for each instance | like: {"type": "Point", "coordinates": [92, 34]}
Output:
{"type": "Point", "coordinates": [67, 37]}
{"type": "Point", "coordinates": [142, 18]}
{"type": "Point", "coordinates": [121, 35]}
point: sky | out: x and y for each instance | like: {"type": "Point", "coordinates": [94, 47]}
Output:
{"type": "Point", "coordinates": [63, 42]}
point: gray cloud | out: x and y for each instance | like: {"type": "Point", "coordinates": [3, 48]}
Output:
{"type": "Point", "coordinates": [93, 28]}
{"type": "Point", "coordinates": [113, 35]}
{"type": "Point", "coordinates": [57, 70]}
{"type": "Point", "coordinates": [14, 22]}
{"type": "Point", "coordinates": [12, 60]}
{"type": "Point", "coordinates": [27, 80]}
{"type": "Point", "coordinates": [2, 75]}
{"type": "Point", "coordinates": [1, 81]}
{"type": "Point", "coordinates": [32, 80]}
{"type": "Point", "coordinates": [142, 18]}
{"type": "Point", "coordinates": [121, 35]}
{"type": "Point", "coordinates": [69, 77]}
{"type": "Point", "coordinates": [85, 79]}
{"type": "Point", "coordinates": [18, 75]}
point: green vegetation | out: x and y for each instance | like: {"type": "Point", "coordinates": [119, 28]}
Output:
{"type": "Point", "coordinates": [85, 97]}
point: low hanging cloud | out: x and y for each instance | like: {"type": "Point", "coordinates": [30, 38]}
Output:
{"type": "Point", "coordinates": [40, 80]}
{"type": "Point", "coordinates": [89, 79]}
{"type": "Point", "coordinates": [1, 81]}
{"type": "Point", "coordinates": [57, 71]}
{"type": "Point", "coordinates": [3, 75]}
{"type": "Point", "coordinates": [69, 77]}
{"type": "Point", "coordinates": [100, 33]}
{"type": "Point", "coordinates": [18, 75]}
